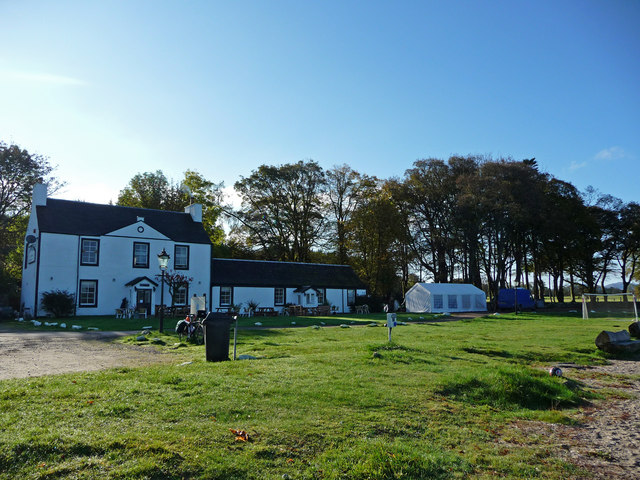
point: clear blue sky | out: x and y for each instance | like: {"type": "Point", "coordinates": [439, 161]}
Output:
{"type": "Point", "coordinates": [110, 89]}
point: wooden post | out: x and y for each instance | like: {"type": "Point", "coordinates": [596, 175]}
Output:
{"type": "Point", "coordinates": [235, 337]}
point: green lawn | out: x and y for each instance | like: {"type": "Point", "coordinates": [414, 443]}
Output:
{"type": "Point", "coordinates": [317, 403]}
{"type": "Point", "coordinates": [110, 323]}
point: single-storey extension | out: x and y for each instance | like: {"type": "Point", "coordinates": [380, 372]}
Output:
{"type": "Point", "coordinates": [280, 284]}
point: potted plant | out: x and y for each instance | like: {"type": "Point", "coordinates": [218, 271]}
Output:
{"type": "Point", "coordinates": [252, 305]}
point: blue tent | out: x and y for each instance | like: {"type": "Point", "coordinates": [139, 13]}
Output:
{"type": "Point", "coordinates": [506, 296]}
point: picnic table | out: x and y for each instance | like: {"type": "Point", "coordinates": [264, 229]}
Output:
{"type": "Point", "coordinates": [266, 312]}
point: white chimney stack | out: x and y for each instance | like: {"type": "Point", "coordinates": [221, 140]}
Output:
{"type": "Point", "coordinates": [195, 210]}
{"type": "Point", "coordinates": [39, 195]}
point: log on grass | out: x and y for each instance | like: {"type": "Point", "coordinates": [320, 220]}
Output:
{"type": "Point", "coordinates": [617, 342]}
{"type": "Point", "coordinates": [634, 329]}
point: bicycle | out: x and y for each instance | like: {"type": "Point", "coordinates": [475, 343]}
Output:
{"type": "Point", "coordinates": [191, 329]}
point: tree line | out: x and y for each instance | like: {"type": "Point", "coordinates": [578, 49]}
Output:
{"type": "Point", "coordinates": [494, 223]}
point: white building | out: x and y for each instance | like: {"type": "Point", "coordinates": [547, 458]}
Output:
{"type": "Point", "coordinates": [103, 254]}
{"type": "Point", "coordinates": [278, 284]}
{"type": "Point", "coordinates": [445, 297]}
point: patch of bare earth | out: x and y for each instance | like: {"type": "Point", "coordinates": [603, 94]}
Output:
{"type": "Point", "coordinates": [605, 440]}
{"type": "Point", "coordinates": [33, 354]}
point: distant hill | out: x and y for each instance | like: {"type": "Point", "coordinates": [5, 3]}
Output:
{"type": "Point", "coordinates": [618, 286]}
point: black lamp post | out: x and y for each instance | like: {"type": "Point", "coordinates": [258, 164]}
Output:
{"type": "Point", "coordinates": [163, 261]}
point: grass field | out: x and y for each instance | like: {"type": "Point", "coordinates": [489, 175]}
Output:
{"type": "Point", "coordinates": [109, 323]}
{"type": "Point", "coordinates": [317, 403]}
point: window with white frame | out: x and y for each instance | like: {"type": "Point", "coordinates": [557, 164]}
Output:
{"type": "Point", "coordinates": [88, 293]}
{"type": "Point", "coordinates": [181, 257]}
{"type": "Point", "coordinates": [226, 296]}
{"type": "Point", "coordinates": [453, 302]}
{"type": "Point", "coordinates": [279, 296]}
{"type": "Point", "coordinates": [437, 301]}
{"type": "Point", "coordinates": [140, 255]}
{"type": "Point", "coordinates": [181, 295]}
{"type": "Point", "coordinates": [321, 296]}
{"type": "Point", "coordinates": [90, 249]}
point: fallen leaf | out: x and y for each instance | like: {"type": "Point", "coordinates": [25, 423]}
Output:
{"type": "Point", "coordinates": [241, 435]}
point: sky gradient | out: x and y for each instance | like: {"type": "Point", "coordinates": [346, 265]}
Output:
{"type": "Point", "coordinates": [109, 89]}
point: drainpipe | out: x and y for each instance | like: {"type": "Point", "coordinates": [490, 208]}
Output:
{"type": "Point", "coordinates": [35, 305]}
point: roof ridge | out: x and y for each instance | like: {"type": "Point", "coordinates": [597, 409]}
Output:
{"type": "Point", "coordinates": [82, 202]}
{"type": "Point", "coordinates": [280, 261]}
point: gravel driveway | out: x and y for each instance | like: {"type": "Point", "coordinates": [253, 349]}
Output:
{"type": "Point", "coordinates": [37, 353]}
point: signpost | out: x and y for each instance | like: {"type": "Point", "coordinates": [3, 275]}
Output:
{"type": "Point", "coordinates": [391, 322]}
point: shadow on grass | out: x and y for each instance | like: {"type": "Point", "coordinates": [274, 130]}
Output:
{"type": "Point", "coordinates": [399, 353]}
{"type": "Point", "coordinates": [535, 357]}
{"type": "Point", "coordinates": [513, 388]}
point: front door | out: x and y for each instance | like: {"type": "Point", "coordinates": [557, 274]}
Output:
{"type": "Point", "coordinates": [143, 299]}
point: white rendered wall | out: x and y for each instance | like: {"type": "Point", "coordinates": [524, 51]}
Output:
{"type": "Point", "coordinates": [28, 290]}
{"type": "Point", "coordinates": [58, 264]}
{"type": "Point", "coordinates": [60, 269]}
{"type": "Point", "coordinates": [264, 296]}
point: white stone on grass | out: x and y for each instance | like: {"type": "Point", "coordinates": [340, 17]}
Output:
{"type": "Point", "coordinates": [76, 327]}
{"type": "Point", "coordinates": [246, 357]}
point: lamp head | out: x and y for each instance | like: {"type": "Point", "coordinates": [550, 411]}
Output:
{"type": "Point", "coordinates": [163, 259]}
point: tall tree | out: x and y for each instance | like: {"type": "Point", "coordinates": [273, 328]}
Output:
{"type": "Point", "coordinates": [427, 200]}
{"type": "Point", "coordinates": [283, 210]}
{"type": "Point", "coordinates": [628, 238]}
{"type": "Point", "coordinates": [20, 171]}
{"type": "Point", "coordinates": [209, 195]}
{"type": "Point", "coordinates": [153, 190]}
{"type": "Point", "coordinates": [374, 234]}
{"type": "Point", "coordinates": [343, 191]}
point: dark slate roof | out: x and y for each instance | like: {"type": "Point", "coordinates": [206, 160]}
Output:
{"type": "Point", "coordinates": [92, 219]}
{"type": "Point", "coordinates": [256, 273]}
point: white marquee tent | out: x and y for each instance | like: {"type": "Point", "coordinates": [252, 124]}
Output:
{"type": "Point", "coordinates": [445, 297]}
